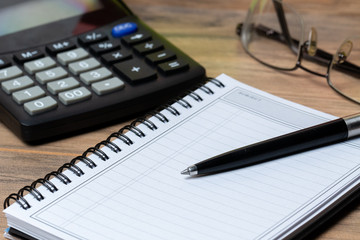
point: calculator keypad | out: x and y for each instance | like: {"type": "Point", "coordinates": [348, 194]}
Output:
{"type": "Point", "coordinates": [60, 46]}
{"type": "Point", "coordinates": [84, 65]}
{"type": "Point", "coordinates": [107, 86]}
{"type": "Point", "coordinates": [148, 47]}
{"type": "Point", "coordinates": [62, 85]}
{"type": "Point", "coordinates": [161, 56]}
{"type": "Point", "coordinates": [10, 72]}
{"type": "Point", "coordinates": [92, 37]}
{"type": "Point", "coordinates": [4, 62]}
{"type": "Point", "coordinates": [104, 47]}
{"type": "Point", "coordinates": [51, 75]}
{"type": "Point", "coordinates": [17, 84]}
{"type": "Point", "coordinates": [28, 94]}
{"type": "Point", "coordinates": [116, 56]}
{"type": "Point", "coordinates": [71, 56]}
{"type": "Point", "coordinates": [29, 55]}
{"type": "Point", "coordinates": [87, 67]}
{"type": "Point", "coordinates": [96, 75]}
{"type": "Point", "coordinates": [40, 105]}
{"type": "Point", "coordinates": [74, 96]}
{"type": "Point", "coordinates": [135, 71]}
{"type": "Point", "coordinates": [173, 66]}
{"type": "Point", "coordinates": [39, 65]}
{"type": "Point", "coordinates": [136, 38]}
{"type": "Point", "coordinates": [56, 73]}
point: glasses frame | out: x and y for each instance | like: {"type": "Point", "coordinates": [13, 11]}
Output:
{"type": "Point", "coordinates": [299, 47]}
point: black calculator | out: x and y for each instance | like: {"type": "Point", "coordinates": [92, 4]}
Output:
{"type": "Point", "coordinates": [75, 64]}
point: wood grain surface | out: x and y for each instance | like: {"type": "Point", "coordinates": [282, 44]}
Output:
{"type": "Point", "coordinates": [205, 29]}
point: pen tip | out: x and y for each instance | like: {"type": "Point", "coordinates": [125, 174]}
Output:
{"type": "Point", "coordinates": [192, 170]}
{"type": "Point", "coordinates": [185, 172]}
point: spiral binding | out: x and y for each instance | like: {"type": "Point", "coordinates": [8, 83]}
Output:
{"type": "Point", "coordinates": [96, 150]}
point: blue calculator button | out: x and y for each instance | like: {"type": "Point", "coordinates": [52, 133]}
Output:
{"type": "Point", "coordinates": [123, 29]}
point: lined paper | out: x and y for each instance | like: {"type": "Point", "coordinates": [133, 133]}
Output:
{"type": "Point", "coordinates": [140, 194]}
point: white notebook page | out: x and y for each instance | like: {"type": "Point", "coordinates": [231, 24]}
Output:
{"type": "Point", "coordinates": [140, 194]}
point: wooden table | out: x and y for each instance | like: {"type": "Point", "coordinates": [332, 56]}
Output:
{"type": "Point", "coordinates": [205, 29]}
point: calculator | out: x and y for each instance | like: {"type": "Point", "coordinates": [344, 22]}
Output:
{"type": "Point", "coordinates": [72, 65]}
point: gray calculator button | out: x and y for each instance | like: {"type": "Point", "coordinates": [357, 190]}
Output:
{"type": "Point", "coordinates": [40, 105]}
{"type": "Point", "coordinates": [10, 72]}
{"type": "Point", "coordinates": [50, 75]}
{"type": "Point", "coordinates": [28, 94]}
{"type": "Point", "coordinates": [73, 55]}
{"type": "Point", "coordinates": [74, 95]}
{"type": "Point", "coordinates": [83, 65]}
{"type": "Point", "coordinates": [39, 65]}
{"type": "Point", "coordinates": [95, 75]}
{"type": "Point", "coordinates": [62, 85]}
{"type": "Point", "coordinates": [108, 86]}
{"type": "Point", "coordinates": [16, 84]}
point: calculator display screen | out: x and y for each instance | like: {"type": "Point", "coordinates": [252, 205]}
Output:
{"type": "Point", "coordinates": [22, 14]}
{"type": "Point", "coordinates": [30, 23]}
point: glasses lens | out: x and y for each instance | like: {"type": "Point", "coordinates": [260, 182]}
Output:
{"type": "Point", "coordinates": [344, 75]}
{"type": "Point", "coordinates": [272, 33]}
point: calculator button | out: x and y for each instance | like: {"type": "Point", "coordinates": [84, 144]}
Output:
{"type": "Point", "coordinates": [83, 65]}
{"type": "Point", "coordinates": [173, 66]}
{"type": "Point", "coordinates": [16, 84]}
{"type": "Point", "coordinates": [92, 37]}
{"type": "Point", "coordinates": [41, 105]}
{"type": "Point", "coordinates": [10, 72]}
{"type": "Point", "coordinates": [135, 71]}
{"type": "Point", "coordinates": [61, 46]}
{"type": "Point", "coordinates": [104, 47]}
{"type": "Point", "coordinates": [137, 37]}
{"type": "Point", "coordinates": [107, 86]}
{"type": "Point", "coordinates": [116, 56]}
{"type": "Point", "coordinates": [62, 85]}
{"type": "Point", "coordinates": [95, 75]}
{"type": "Point", "coordinates": [148, 47]}
{"type": "Point", "coordinates": [4, 62]}
{"type": "Point", "coordinates": [50, 75]}
{"type": "Point", "coordinates": [161, 56]}
{"type": "Point", "coordinates": [28, 94]}
{"type": "Point", "coordinates": [28, 55]}
{"type": "Point", "coordinates": [123, 29]}
{"type": "Point", "coordinates": [39, 65]}
{"type": "Point", "coordinates": [73, 55]}
{"type": "Point", "coordinates": [74, 96]}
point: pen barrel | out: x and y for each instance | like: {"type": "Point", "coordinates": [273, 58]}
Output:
{"type": "Point", "coordinates": [295, 142]}
{"type": "Point", "coordinates": [353, 125]}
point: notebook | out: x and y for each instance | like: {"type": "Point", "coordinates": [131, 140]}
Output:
{"type": "Point", "coordinates": [129, 186]}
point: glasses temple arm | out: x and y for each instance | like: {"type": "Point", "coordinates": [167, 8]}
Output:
{"type": "Point", "coordinates": [320, 56]}
{"type": "Point", "coordinates": [284, 26]}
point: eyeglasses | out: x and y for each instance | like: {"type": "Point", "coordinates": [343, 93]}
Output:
{"type": "Point", "coordinates": [273, 34]}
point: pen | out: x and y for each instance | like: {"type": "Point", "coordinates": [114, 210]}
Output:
{"type": "Point", "coordinates": [316, 136]}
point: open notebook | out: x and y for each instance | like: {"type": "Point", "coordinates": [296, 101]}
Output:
{"type": "Point", "coordinates": [139, 193]}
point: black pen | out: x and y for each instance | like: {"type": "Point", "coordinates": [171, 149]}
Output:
{"type": "Point", "coordinates": [320, 135]}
